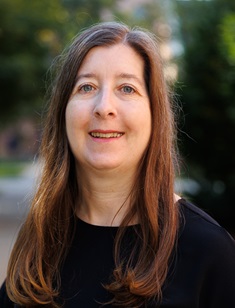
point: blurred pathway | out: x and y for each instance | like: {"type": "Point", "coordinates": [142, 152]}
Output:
{"type": "Point", "coordinates": [15, 195]}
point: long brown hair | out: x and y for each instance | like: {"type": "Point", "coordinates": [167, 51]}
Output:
{"type": "Point", "coordinates": [43, 241]}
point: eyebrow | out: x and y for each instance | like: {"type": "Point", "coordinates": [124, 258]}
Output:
{"type": "Point", "coordinates": [131, 76]}
{"type": "Point", "coordinates": [88, 75]}
{"type": "Point", "coordinates": [121, 75]}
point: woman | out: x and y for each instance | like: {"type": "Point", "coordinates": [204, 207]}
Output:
{"type": "Point", "coordinates": [105, 227]}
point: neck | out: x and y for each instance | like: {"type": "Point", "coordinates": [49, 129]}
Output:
{"type": "Point", "coordinates": [105, 197]}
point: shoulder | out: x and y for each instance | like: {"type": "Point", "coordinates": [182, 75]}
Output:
{"type": "Point", "coordinates": [4, 299]}
{"type": "Point", "coordinates": [203, 236]}
{"type": "Point", "coordinates": [197, 224]}
{"type": "Point", "coordinates": [205, 258]}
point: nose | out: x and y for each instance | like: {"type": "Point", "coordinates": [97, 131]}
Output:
{"type": "Point", "coordinates": [105, 106]}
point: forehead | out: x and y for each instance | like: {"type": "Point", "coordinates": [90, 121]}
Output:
{"type": "Point", "coordinates": [119, 56]}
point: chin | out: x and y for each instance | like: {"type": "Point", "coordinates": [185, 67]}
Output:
{"type": "Point", "coordinates": [104, 166]}
{"type": "Point", "coordinates": [104, 163]}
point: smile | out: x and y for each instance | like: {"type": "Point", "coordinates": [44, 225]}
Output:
{"type": "Point", "coordinates": [106, 135]}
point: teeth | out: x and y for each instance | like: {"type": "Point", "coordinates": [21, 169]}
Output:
{"type": "Point", "coordinates": [108, 135]}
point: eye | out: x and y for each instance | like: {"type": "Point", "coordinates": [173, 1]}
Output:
{"type": "Point", "coordinates": [86, 88]}
{"type": "Point", "coordinates": [128, 89]}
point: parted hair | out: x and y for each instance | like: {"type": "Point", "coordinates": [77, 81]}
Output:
{"type": "Point", "coordinates": [33, 276]}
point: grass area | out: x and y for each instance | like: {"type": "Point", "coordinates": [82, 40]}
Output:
{"type": "Point", "coordinates": [10, 168]}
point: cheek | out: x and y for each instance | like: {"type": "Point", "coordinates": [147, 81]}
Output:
{"type": "Point", "coordinates": [72, 122]}
{"type": "Point", "coordinates": [146, 125]}
{"type": "Point", "coordinates": [73, 128]}
{"type": "Point", "coordinates": [72, 110]}
{"type": "Point", "coordinates": [142, 120]}
{"type": "Point", "coordinates": [141, 128]}
{"type": "Point", "coordinates": [69, 118]}
{"type": "Point", "coordinates": [75, 115]}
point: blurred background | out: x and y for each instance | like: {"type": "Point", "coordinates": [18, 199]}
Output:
{"type": "Point", "coordinates": [197, 44]}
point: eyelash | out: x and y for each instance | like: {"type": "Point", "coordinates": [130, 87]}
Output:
{"type": "Point", "coordinates": [82, 88]}
{"type": "Point", "coordinates": [92, 88]}
{"type": "Point", "coordinates": [129, 88]}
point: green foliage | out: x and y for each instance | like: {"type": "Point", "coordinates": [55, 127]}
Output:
{"type": "Point", "coordinates": [11, 168]}
{"type": "Point", "coordinates": [32, 33]}
{"type": "Point", "coordinates": [227, 32]}
{"type": "Point", "coordinates": [208, 76]}
{"type": "Point", "coordinates": [147, 15]}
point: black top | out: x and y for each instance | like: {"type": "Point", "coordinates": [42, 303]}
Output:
{"type": "Point", "coordinates": [201, 276]}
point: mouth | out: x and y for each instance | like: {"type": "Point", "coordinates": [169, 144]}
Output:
{"type": "Point", "coordinates": [106, 135]}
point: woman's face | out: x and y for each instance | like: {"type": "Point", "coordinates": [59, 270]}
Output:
{"type": "Point", "coordinates": [108, 118]}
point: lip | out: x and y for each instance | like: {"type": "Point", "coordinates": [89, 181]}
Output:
{"type": "Point", "coordinates": [98, 135]}
{"type": "Point", "coordinates": [105, 131]}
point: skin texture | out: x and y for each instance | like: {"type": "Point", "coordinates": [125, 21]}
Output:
{"type": "Point", "coordinates": [110, 98]}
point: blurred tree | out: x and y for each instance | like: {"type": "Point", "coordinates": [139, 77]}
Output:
{"type": "Point", "coordinates": [158, 17]}
{"type": "Point", "coordinates": [32, 33]}
{"type": "Point", "coordinates": [208, 96]}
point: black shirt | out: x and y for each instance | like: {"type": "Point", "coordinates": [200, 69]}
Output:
{"type": "Point", "coordinates": [202, 274]}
